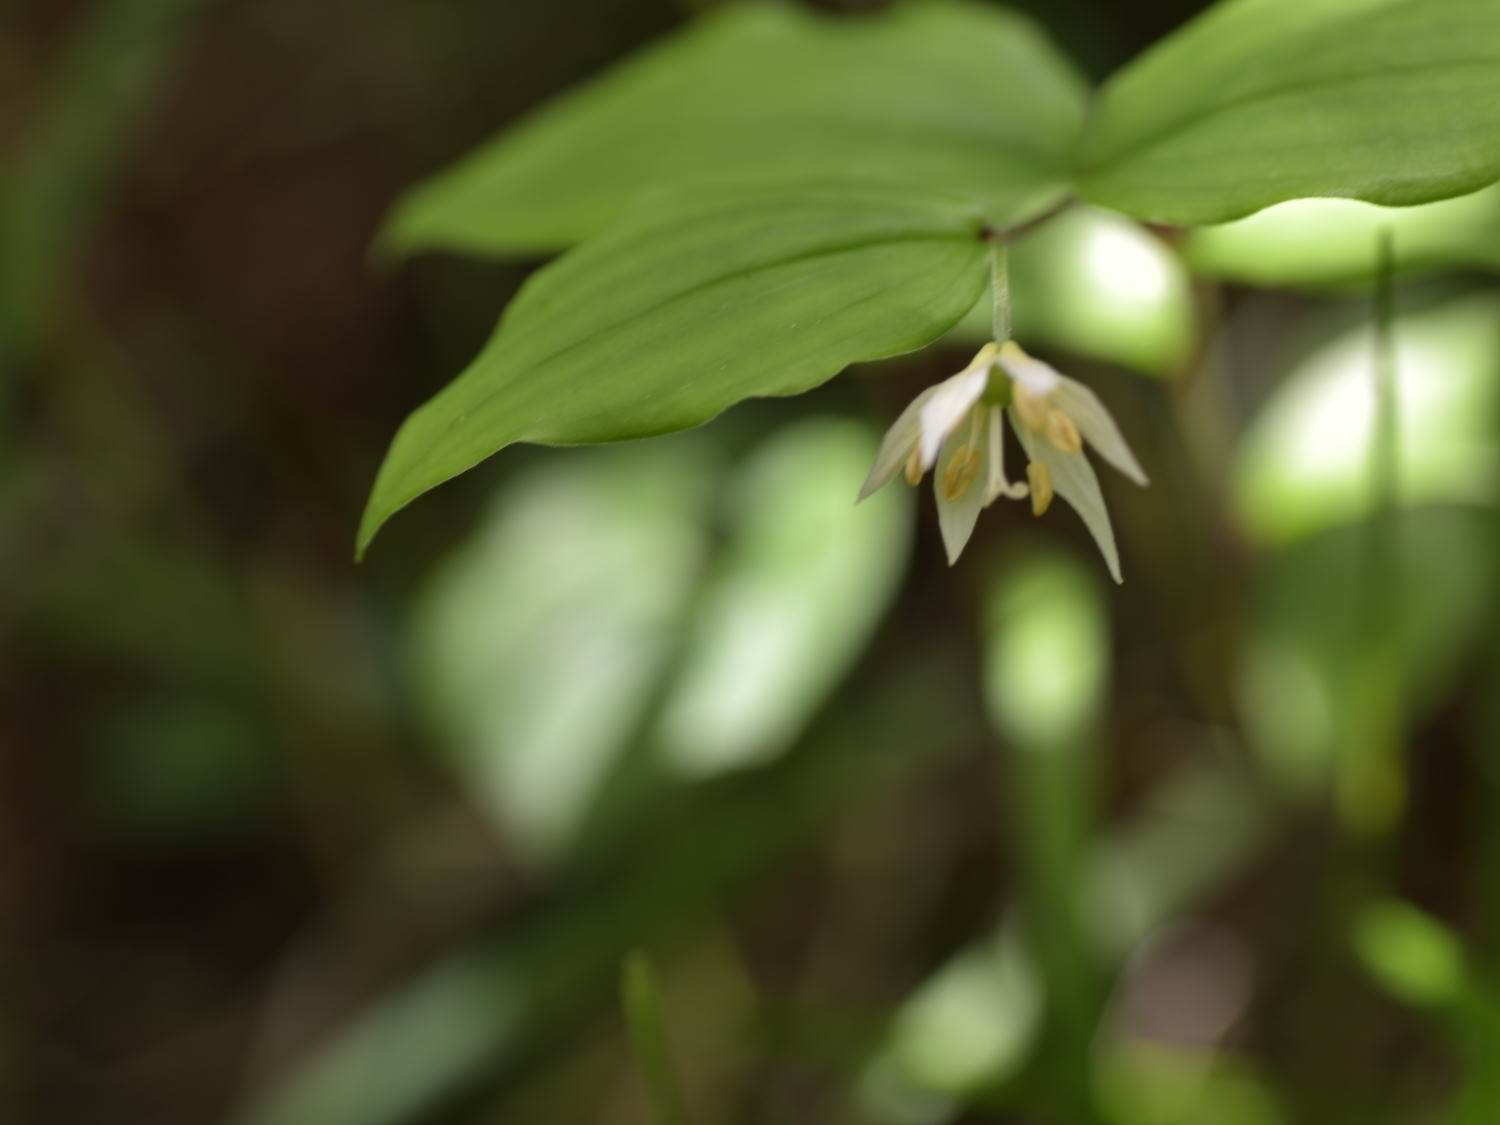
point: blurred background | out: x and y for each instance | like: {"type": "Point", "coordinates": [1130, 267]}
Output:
{"type": "Point", "coordinates": [287, 841]}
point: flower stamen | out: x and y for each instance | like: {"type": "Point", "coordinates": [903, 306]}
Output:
{"type": "Point", "coordinates": [1062, 432]}
{"type": "Point", "coordinates": [1041, 487]}
{"type": "Point", "coordinates": [1032, 408]}
{"type": "Point", "coordinates": [913, 470]}
{"type": "Point", "coordinates": [962, 468]}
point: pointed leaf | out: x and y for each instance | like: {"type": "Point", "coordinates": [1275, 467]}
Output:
{"type": "Point", "coordinates": [685, 310]}
{"type": "Point", "coordinates": [949, 96]}
{"type": "Point", "coordinates": [1261, 101]}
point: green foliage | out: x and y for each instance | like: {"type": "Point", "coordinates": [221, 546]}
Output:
{"type": "Point", "coordinates": [595, 576]}
{"type": "Point", "coordinates": [49, 195]}
{"type": "Point", "coordinates": [1301, 699]}
{"type": "Point", "coordinates": [689, 307]}
{"type": "Point", "coordinates": [574, 586]}
{"type": "Point", "coordinates": [1332, 242]}
{"type": "Point", "coordinates": [1094, 284]}
{"type": "Point", "coordinates": [1046, 639]}
{"type": "Point", "coordinates": [1045, 670]}
{"type": "Point", "coordinates": [1303, 463]}
{"type": "Point", "coordinates": [805, 577]}
{"type": "Point", "coordinates": [1414, 956]}
{"type": "Point", "coordinates": [726, 288]}
{"type": "Point", "coordinates": [1261, 101]}
{"type": "Point", "coordinates": [1154, 1084]}
{"type": "Point", "coordinates": [322, 846]}
{"type": "Point", "coordinates": [962, 98]}
{"type": "Point", "coordinates": [640, 998]}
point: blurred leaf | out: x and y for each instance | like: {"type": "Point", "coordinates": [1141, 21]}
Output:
{"type": "Point", "coordinates": [406, 1053]}
{"type": "Point", "coordinates": [1298, 697]}
{"type": "Point", "coordinates": [109, 73]}
{"type": "Point", "coordinates": [1153, 1084]}
{"type": "Point", "coordinates": [179, 770]}
{"type": "Point", "coordinates": [1414, 956]}
{"type": "Point", "coordinates": [538, 647]}
{"type": "Point", "coordinates": [1261, 101]}
{"type": "Point", "coordinates": [1332, 242]}
{"type": "Point", "coordinates": [648, 1038]}
{"type": "Point", "coordinates": [1305, 461]}
{"type": "Point", "coordinates": [551, 968]}
{"type": "Point", "coordinates": [970, 1025]}
{"type": "Point", "coordinates": [1100, 286]}
{"type": "Point", "coordinates": [1046, 652]}
{"type": "Point", "coordinates": [1046, 671]}
{"type": "Point", "coordinates": [688, 308]}
{"type": "Point", "coordinates": [1187, 837]}
{"type": "Point", "coordinates": [806, 578]}
{"type": "Point", "coordinates": [955, 97]}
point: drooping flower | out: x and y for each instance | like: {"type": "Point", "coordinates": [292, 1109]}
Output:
{"type": "Point", "coordinates": [955, 426]}
{"type": "Point", "coordinates": [952, 427]}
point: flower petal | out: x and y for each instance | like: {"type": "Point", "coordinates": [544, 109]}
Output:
{"type": "Point", "coordinates": [949, 405]}
{"type": "Point", "coordinates": [1073, 479]}
{"type": "Point", "coordinates": [1039, 379]}
{"type": "Point", "coordinates": [897, 445]}
{"type": "Point", "coordinates": [957, 517]}
{"type": "Point", "coordinates": [1098, 427]}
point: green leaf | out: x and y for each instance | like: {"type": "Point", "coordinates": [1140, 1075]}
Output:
{"type": "Point", "coordinates": [688, 308]}
{"type": "Point", "coordinates": [1299, 695]}
{"type": "Point", "coordinates": [1333, 242]}
{"type": "Point", "coordinates": [960, 98]}
{"type": "Point", "coordinates": [1046, 653]}
{"type": "Point", "coordinates": [1304, 461]}
{"type": "Point", "coordinates": [104, 84]}
{"type": "Point", "coordinates": [640, 997]}
{"type": "Point", "coordinates": [1148, 1081]}
{"type": "Point", "coordinates": [1261, 101]}
{"type": "Point", "coordinates": [574, 585]}
{"type": "Point", "coordinates": [805, 578]}
{"type": "Point", "coordinates": [1414, 956]}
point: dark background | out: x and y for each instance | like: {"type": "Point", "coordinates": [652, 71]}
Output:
{"type": "Point", "coordinates": [226, 833]}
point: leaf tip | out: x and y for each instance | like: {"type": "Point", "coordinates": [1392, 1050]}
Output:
{"type": "Point", "coordinates": [369, 527]}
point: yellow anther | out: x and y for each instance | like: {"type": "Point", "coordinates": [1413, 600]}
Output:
{"type": "Point", "coordinates": [1041, 487]}
{"type": "Point", "coordinates": [914, 470]}
{"type": "Point", "coordinates": [962, 468]}
{"type": "Point", "coordinates": [1062, 433]}
{"type": "Point", "coordinates": [1033, 409]}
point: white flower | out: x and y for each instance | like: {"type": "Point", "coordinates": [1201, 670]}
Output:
{"type": "Point", "coordinates": [951, 426]}
{"type": "Point", "coordinates": [956, 426]}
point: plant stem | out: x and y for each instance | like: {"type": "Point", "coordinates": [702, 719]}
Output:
{"type": "Point", "coordinates": [1479, 1101]}
{"type": "Point", "coordinates": [1000, 271]}
{"type": "Point", "coordinates": [648, 1039]}
{"type": "Point", "coordinates": [1371, 790]}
